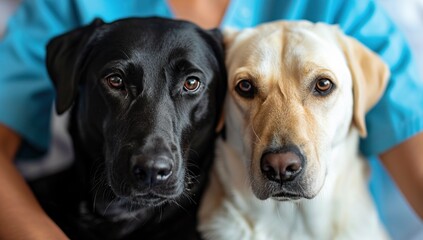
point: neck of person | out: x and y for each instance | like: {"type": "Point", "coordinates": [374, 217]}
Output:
{"type": "Point", "coordinates": [205, 13]}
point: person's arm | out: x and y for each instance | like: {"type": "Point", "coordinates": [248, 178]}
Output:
{"type": "Point", "coordinates": [21, 217]}
{"type": "Point", "coordinates": [26, 92]}
{"type": "Point", "coordinates": [405, 164]}
{"type": "Point", "coordinates": [26, 95]}
{"type": "Point", "coordinates": [395, 124]}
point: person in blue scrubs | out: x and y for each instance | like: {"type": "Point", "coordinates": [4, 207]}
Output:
{"type": "Point", "coordinates": [26, 94]}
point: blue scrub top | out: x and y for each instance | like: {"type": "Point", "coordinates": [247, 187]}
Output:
{"type": "Point", "coordinates": [26, 93]}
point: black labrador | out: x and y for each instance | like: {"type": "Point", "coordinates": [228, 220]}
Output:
{"type": "Point", "coordinates": [146, 94]}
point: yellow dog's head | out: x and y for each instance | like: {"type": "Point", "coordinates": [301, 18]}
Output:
{"type": "Point", "coordinates": [295, 90]}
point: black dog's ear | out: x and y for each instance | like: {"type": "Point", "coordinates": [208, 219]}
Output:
{"type": "Point", "coordinates": [217, 34]}
{"type": "Point", "coordinates": [218, 48]}
{"type": "Point", "coordinates": [64, 54]}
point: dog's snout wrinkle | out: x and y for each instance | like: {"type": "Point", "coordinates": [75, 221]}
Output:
{"type": "Point", "coordinates": [283, 165]}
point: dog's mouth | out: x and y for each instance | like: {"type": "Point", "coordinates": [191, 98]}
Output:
{"type": "Point", "coordinates": [285, 193]}
{"type": "Point", "coordinates": [150, 198]}
{"type": "Point", "coordinates": [287, 196]}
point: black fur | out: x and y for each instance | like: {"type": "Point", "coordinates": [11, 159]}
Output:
{"type": "Point", "coordinates": [116, 129]}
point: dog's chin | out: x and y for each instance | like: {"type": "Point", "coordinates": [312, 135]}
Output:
{"type": "Point", "coordinates": [121, 208]}
{"type": "Point", "coordinates": [149, 200]}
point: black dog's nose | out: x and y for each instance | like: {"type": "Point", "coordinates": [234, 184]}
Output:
{"type": "Point", "coordinates": [153, 171]}
{"type": "Point", "coordinates": [281, 167]}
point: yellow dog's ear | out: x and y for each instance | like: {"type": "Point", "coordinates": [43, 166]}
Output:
{"type": "Point", "coordinates": [221, 123]}
{"type": "Point", "coordinates": [228, 36]}
{"type": "Point", "coordinates": [369, 75]}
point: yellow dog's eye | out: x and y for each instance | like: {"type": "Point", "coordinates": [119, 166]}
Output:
{"type": "Point", "coordinates": [245, 88]}
{"type": "Point", "coordinates": [323, 86]}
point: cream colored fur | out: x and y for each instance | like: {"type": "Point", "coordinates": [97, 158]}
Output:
{"type": "Point", "coordinates": [283, 60]}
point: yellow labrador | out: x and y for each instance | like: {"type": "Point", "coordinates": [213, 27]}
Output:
{"type": "Point", "coordinates": [289, 167]}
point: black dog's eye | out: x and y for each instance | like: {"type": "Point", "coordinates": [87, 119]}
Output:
{"type": "Point", "coordinates": [191, 84]}
{"type": "Point", "coordinates": [114, 81]}
{"type": "Point", "coordinates": [245, 88]}
{"type": "Point", "coordinates": [323, 86]}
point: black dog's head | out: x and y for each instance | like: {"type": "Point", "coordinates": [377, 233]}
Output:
{"type": "Point", "coordinates": [147, 96]}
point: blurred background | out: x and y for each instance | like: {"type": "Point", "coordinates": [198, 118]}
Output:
{"type": "Point", "coordinates": [7, 7]}
{"type": "Point", "coordinates": [408, 15]}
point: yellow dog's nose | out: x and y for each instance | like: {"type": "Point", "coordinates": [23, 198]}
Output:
{"type": "Point", "coordinates": [281, 167]}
